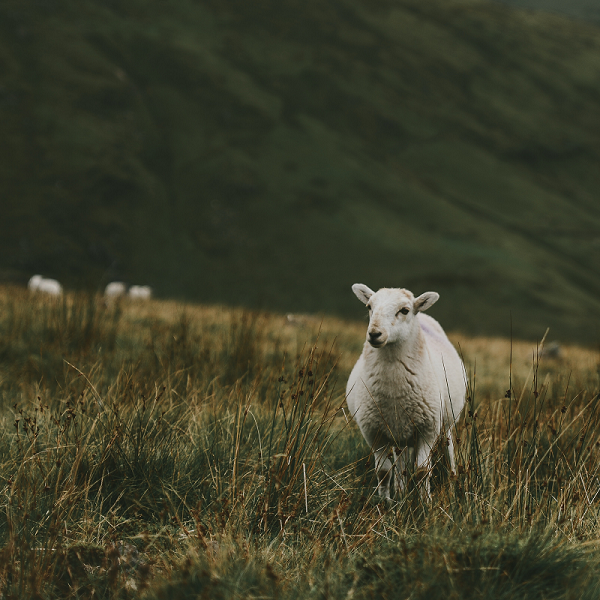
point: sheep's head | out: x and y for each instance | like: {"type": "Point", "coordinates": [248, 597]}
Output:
{"type": "Point", "coordinates": [392, 312]}
{"type": "Point", "coordinates": [34, 282]}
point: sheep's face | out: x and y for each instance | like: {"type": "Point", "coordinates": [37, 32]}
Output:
{"type": "Point", "coordinates": [392, 313]}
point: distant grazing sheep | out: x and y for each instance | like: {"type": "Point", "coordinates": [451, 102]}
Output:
{"type": "Point", "coordinates": [301, 320]}
{"type": "Point", "coordinates": [46, 286]}
{"type": "Point", "coordinates": [140, 292]}
{"type": "Point", "coordinates": [115, 289]}
{"type": "Point", "coordinates": [408, 386]}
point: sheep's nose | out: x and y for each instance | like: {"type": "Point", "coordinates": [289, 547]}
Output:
{"type": "Point", "coordinates": [374, 335]}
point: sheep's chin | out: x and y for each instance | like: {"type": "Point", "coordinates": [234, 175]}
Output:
{"type": "Point", "coordinates": [379, 345]}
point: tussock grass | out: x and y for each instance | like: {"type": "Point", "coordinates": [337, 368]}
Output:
{"type": "Point", "coordinates": [174, 451]}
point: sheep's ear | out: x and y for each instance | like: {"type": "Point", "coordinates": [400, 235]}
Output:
{"type": "Point", "coordinates": [425, 301]}
{"type": "Point", "coordinates": [363, 293]}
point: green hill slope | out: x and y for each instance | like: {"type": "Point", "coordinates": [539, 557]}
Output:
{"type": "Point", "coordinates": [589, 10]}
{"type": "Point", "coordinates": [273, 153]}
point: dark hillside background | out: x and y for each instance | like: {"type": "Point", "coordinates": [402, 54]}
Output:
{"type": "Point", "coordinates": [588, 10]}
{"type": "Point", "coordinates": [272, 153]}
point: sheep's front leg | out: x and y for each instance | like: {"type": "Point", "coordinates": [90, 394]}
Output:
{"type": "Point", "coordinates": [423, 465]}
{"type": "Point", "coordinates": [383, 470]}
{"type": "Point", "coordinates": [404, 459]}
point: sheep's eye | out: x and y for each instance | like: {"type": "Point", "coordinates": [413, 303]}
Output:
{"type": "Point", "coordinates": [404, 311]}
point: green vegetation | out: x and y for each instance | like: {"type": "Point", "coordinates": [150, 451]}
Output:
{"type": "Point", "coordinates": [580, 9]}
{"type": "Point", "coordinates": [157, 450]}
{"type": "Point", "coordinates": [270, 154]}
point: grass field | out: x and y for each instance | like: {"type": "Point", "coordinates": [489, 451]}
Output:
{"type": "Point", "coordinates": [166, 451]}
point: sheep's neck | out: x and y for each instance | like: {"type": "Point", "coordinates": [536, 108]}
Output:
{"type": "Point", "coordinates": [409, 353]}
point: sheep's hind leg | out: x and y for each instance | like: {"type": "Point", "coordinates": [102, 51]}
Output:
{"type": "Point", "coordinates": [451, 451]}
{"type": "Point", "coordinates": [383, 470]}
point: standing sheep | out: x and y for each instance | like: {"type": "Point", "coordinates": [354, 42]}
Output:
{"type": "Point", "coordinates": [115, 289]}
{"type": "Point", "coordinates": [408, 386]}
{"type": "Point", "coordinates": [140, 292]}
{"type": "Point", "coordinates": [46, 286]}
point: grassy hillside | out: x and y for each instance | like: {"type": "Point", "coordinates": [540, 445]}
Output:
{"type": "Point", "coordinates": [272, 154]}
{"type": "Point", "coordinates": [164, 451]}
{"type": "Point", "coordinates": [579, 9]}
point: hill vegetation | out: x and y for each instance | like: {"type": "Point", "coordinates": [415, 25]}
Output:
{"type": "Point", "coordinates": [587, 10]}
{"type": "Point", "coordinates": [166, 451]}
{"type": "Point", "coordinates": [270, 154]}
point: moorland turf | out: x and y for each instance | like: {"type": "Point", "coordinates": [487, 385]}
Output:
{"type": "Point", "coordinates": [173, 451]}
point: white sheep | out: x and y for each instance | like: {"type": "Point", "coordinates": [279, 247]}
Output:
{"type": "Point", "coordinates": [140, 292]}
{"type": "Point", "coordinates": [115, 289]}
{"type": "Point", "coordinates": [46, 286]}
{"type": "Point", "coordinates": [301, 320]}
{"type": "Point", "coordinates": [408, 386]}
